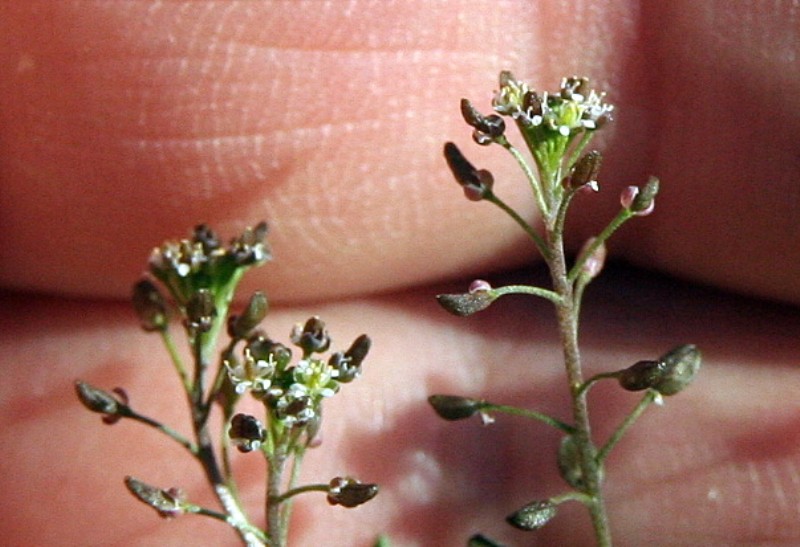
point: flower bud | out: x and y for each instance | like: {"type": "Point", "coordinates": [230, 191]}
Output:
{"type": "Point", "coordinates": [240, 326]}
{"type": "Point", "coordinates": [586, 169]}
{"type": "Point", "coordinates": [149, 305]}
{"type": "Point", "coordinates": [246, 432]}
{"type": "Point", "coordinates": [250, 248]}
{"type": "Point", "coordinates": [455, 407]}
{"type": "Point", "coordinates": [594, 263]}
{"type": "Point", "coordinates": [533, 516]}
{"type": "Point", "coordinates": [201, 310]}
{"type": "Point", "coordinates": [312, 337]}
{"type": "Point", "coordinates": [206, 237]}
{"type": "Point", "coordinates": [641, 202]}
{"type": "Point", "coordinates": [569, 463]}
{"type": "Point", "coordinates": [348, 364]}
{"type": "Point", "coordinates": [349, 492]}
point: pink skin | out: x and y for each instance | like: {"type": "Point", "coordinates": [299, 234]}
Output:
{"type": "Point", "coordinates": [125, 123]}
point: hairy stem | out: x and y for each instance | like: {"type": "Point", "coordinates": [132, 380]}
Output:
{"type": "Point", "coordinates": [566, 312]}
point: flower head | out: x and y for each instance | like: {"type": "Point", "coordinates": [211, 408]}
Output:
{"type": "Point", "coordinates": [200, 262]}
{"type": "Point", "coordinates": [575, 107]}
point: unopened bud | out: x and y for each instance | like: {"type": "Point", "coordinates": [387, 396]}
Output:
{"type": "Point", "coordinates": [201, 310]}
{"type": "Point", "coordinates": [348, 364]}
{"type": "Point", "coordinates": [246, 432]}
{"type": "Point", "coordinates": [455, 407]}
{"type": "Point", "coordinates": [533, 516]}
{"type": "Point", "coordinates": [240, 326]}
{"type": "Point", "coordinates": [593, 264]}
{"type": "Point", "coordinates": [349, 492]}
{"type": "Point", "coordinates": [149, 305]}
{"type": "Point", "coordinates": [586, 169]}
{"type": "Point", "coordinates": [640, 201]}
{"type": "Point", "coordinates": [312, 337]}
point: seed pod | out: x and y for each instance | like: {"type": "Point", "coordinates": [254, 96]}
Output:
{"type": "Point", "coordinates": [349, 492]}
{"type": "Point", "coordinates": [682, 364]}
{"type": "Point", "coordinates": [670, 374]}
{"type": "Point", "coordinates": [454, 407]}
{"type": "Point", "coordinates": [167, 503]}
{"type": "Point", "coordinates": [479, 540]}
{"type": "Point", "coordinates": [97, 400]}
{"type": "Point", "coordinates": [533, 516]}
{"type": "Point", "coordinates": [467, 303]}
{"type": "Point", "coordinates": [641, 375]}
{"type": "Point", "coordinates": [240, 326]}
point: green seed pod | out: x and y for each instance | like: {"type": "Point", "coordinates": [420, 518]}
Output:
{"type": "Point", "coordinates": [97, 400]}
{"type": "Point", "coordinates": [670, 374]}
{"type": "Point", "coordinates": [454, 407]}
{"type": "Point", "coordinates": [682, 364]}
{"type": "Point", "coordinates": [479, 540]}
{"type": "Point", "coordinates": [467, 303]}
{"type": "Point", "coordinates": [641, 375]}
{"type": "Point", "coordinates": [533, 516]}
{"type": "Point", "coordinates": [240, 326]}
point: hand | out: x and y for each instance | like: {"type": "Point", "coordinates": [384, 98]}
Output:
{"type": "Point", "coordinates": [124, 124]}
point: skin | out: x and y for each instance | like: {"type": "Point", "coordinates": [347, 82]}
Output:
{"type": "Point", "coordinates": [125, 124]}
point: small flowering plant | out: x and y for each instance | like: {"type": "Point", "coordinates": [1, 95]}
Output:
{"type": "Point", "coordinates": [200, 275]}
{"type": "Point", "coordinates": [557, 129]}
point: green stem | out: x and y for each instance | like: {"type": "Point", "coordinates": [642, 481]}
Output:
{"type": "Point", "coordinates": [128, 412]}
{"type": "Point", "coordinates": [568, 328]}
{"type": "Point", "coordinates": [650, 397]}
{"type": "Point", "coordinates": [537, 240]}
{"type": "Point", "coordinates": [301, 490]}
{"type": "Point", "coordinates": [176, 359]}
{"type": "Point", "coordinates": [612, 226]}
{"type": "Point", "coordinates": [534, 182]}
{"type": "Point", "coordinates": [526, 413]}
{"type": "Point", "coordinates": [596, 378]}
{"type": "Point", "coordinates": [276, 532]}
{"type": "Point", "coordinates": [527, 289]}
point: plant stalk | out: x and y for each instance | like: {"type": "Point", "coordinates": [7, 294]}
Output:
{"type": "Point", "coordinates": [566, 312]}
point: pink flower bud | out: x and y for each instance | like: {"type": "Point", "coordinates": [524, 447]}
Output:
{"type": "Point", "coordinates": [479, 285]}
{"type": "Point", "coordinates": [593, 264]}
{"type": "Point", "coordinates": [628, 195]}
